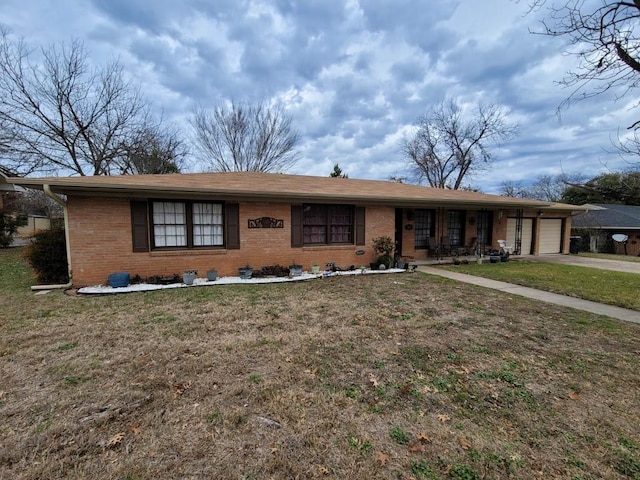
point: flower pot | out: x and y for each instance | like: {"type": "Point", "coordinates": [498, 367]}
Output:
{"type": "Point", "coordinates": [189, 277]}
{"type": "Point", "coordinates": [295, 270]}
{"type": "Point", "coordinates": [315, 268]}
{"type": "Point", "coordinates": [212, 275]}
{"type": "Point", "coordinates": [504, 258]}
{"type": "Point", "coordinates": [401, 264]}
{"type": "Point", "coordinates": [245, 273]}
{"type": "Point", "coordinates": [494, 259]}
{"type": "Point", "coordinates": [373, 265]}
{"type": "Point", "coordinates": [118, 279]}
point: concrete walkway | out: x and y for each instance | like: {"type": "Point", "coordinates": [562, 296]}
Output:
{"type": "Point", "coordinates": [577, 303]}
{"type": "Point", "coordinates": [578, 261]}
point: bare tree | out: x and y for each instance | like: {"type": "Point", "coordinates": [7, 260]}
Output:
{"type": "Point", "coordinates": [605, 37]}
{"type": "Point", "coordinates": [60, 114]}
{"type": "Point", "coordinates": [549, 188]}
{"type": "Point", "coordinates": [154, 150]}
{"type": "Point", "coordinates": [240, 137]}
{"type": "Point", "coordinates": [447, 147]}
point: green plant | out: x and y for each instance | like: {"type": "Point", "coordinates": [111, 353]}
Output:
{"type": "Point", "coordinates": [421, 469]}
{"type": "Point", "coordinates": [47, 255]}
{"type": "Point", "coordinates": [384, 247]}
{"type": "Point", "coordinates": [399, 436]}
{"type": "Point", "coordinates": [66, 346]}
{"type": "Point", "coordinates": [8, 227]}
{"type": "Point", "coordinates": [255, 378]}
{"type": "Point", "coordinates": [463, 471]}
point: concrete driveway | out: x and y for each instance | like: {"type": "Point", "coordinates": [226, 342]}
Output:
{"type": "Point", "coordinates": [616, 265]}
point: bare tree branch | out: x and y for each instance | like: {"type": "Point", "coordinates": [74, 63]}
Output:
{"type": "Point", "coordinates": [239, 137]}
{"type": "Point", "coordinates": [447, 147]}
{"type": "Point", "coordinates": [62, 115]}
{"type": "Point", "coordinates": [605, 37]}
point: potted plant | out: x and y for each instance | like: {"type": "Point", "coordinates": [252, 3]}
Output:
{"type": "Point", "coordinates": [295, 270]}
{"type": "Point", "coordinates": [212, 275]}
{"type": "Point", "coordinates": [315, 268]}
{"type": "Point", "coordinates": [245, 272]}
{"type": "Point", "coordinates": [384, 247]}
{"type": "Point", "coordinates": [189, 276]}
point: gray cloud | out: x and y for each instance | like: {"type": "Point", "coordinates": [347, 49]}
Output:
{"type": "Point", "coordinates": [354, 75]}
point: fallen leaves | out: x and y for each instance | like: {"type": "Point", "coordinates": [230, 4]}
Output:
{"type": "Point", "coordinates": [574, 395]}
{"type": "Point", "coordinates": [464, 443]}
{"type": "Point", "coordinates": [419, 444]}
{"type": "Point", "coordinates": [443, 417]}
{"type": "Point", "coordinates": [382, 458]}
{"type": "Point", "coordinates": [115, 440]}
{"type": "Point", "coordinates": [373, 380]}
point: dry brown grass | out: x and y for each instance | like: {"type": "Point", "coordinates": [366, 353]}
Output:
{"type": "Point", "coordinates": [389, 376]}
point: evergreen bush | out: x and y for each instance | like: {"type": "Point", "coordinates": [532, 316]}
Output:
{"type": "Point", "coordinates": [47, 255]}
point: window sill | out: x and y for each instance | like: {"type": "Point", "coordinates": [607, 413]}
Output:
{"type": "Point", "coordinates": [312, 248]}
{"type": "Point", "coordinates": [187, 252]}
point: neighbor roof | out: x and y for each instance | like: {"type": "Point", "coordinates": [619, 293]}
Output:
{"type": "Point", "coordinates": [276, 187]}
{"type": "Point", "coordinates": [609, 217]}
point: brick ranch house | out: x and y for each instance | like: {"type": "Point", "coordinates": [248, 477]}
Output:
{"type": "Point", "coordinates": [164, 224]}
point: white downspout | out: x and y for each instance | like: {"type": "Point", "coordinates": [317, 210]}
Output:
{"type": "Point", "coordinates": [59, 200]}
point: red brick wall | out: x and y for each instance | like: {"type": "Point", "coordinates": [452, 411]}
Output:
{"type": "Point", "coordinates": [101, 243]}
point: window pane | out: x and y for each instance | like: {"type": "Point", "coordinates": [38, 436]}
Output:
{"type": "Point", "coordinates": [169, 224]}
{"type": "Point", "coordinates": [341, 222]}
{"type": "Point", "coordinates": [314, 224]}
{"type": "Point", "coordinates": [484, 227]}
{"type": "Point", "coordinates": [422, 227]}
{"type": "Point", "coordinates": [456, 225]}
{"type": "Point", "coordinates": [207, 224]}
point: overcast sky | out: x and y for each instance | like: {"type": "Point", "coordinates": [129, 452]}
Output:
{"type": "Point", "coordinates": [353, 75]}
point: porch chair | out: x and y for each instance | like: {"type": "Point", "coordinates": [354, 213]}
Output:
{"type": "Point", "coordinates": [445, 245]}
{"type": "Point", "coordinates": [432, 247]}
{"type": "Point", "coordinates": [504, 247]}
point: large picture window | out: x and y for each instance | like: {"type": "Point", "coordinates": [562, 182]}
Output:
{"type": "Point", "coordinates": [187, 224]}
{"type": "Point", "coordinates": [327, 224]}
{"type": "Point", "coordinates": [423, 227]}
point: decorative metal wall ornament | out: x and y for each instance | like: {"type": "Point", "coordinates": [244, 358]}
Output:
{"type": "Point", "coordinates": [266, 222]}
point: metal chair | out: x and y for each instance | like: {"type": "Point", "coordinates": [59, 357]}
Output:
{"type": "Point", "coordinates": [504, 247]}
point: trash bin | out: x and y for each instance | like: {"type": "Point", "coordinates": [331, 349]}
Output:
{"type": "Point", "coordinates": [574, 243]}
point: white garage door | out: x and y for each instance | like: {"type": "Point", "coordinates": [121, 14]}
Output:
{"type": "Point", "coordinates": [527, 234]}
{"type": "Point", "coordinates": [550, 235]}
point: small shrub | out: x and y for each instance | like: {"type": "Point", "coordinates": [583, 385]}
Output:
{"type": "Point", "coordinates": [47, 255]}
{"type": "Point", "coordinates": [8, 227]}
{"type": "Point", "coordinates": [385, 248]}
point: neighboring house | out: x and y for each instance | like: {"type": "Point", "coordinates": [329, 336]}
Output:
{"type": "Point", "coordinates": [163, 224]}
{"type": "Point", "coordinates": [602, 221]}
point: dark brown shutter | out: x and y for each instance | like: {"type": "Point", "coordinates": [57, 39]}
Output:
{"type": "Point", "coordinates": [232, 225]}
{"type": "Point", "coordinates": [139, 226]}
{"type": "Point", "coordinates": [296, 225]}
{"type": "Point", "coordinates": [360, 214]}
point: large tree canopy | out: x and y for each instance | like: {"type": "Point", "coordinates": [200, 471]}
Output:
{"type": "Point", "coordinates": [615, 187]}
{"type": "Point", "coordinates": [449, 145]}
{"type": "Point", "coordinates": [60, 114]}
{"type": "Point", "coordinates": [240, 137]}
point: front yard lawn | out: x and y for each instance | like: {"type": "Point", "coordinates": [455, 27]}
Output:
{"type": "Point", "coordinates": [604, 286]}
{"type": "Point", "coordinates": [401, 376]}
